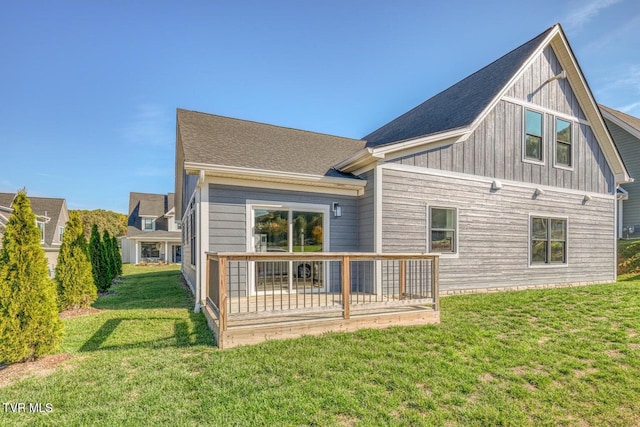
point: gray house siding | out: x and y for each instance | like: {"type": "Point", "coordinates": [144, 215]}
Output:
{"type": "Point", "coordinates": [189, 183]}
{"type": "Point", "coordinates": [629, 148]}
{"type": "Point", "coordinates": [533, 86]}
{"type": "Point", "coordinates": [228, 221]}
{"type": "Point", "coordinates": [494, 150]}
{"type": "Point", "coordinates": [493, 230]}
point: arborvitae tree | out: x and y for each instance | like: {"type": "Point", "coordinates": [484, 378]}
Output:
{"type": "Point", "coordinates": [98, 268]}
{"type": "Point", "coordinates": [107, 254]}
{"type": "Point", "coordinates": [76, 288]}
{"type": "Point", "coordinates": [117, 255]}
{"type": "Point", "coordinates": [29, 322]}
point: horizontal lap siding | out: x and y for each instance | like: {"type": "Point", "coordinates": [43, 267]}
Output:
{"type": "Point", "coordinates": [228, 222]}
{"type": "Point", "coordinates": [629, 148]}
{"type": "Point", "coordinates": [493, 234]}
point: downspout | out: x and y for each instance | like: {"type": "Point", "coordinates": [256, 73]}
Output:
{"type": "Point", "coordinates": [200, 259]}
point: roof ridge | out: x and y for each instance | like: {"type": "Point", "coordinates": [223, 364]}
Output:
{"type": "Point", "coordinates": [268, 124]}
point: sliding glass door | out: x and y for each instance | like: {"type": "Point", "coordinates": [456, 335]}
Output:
{"type": "Point", "coordinates": [288, 230]}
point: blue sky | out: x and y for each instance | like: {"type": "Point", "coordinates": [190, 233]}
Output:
{"type": "Point", "coordinates": [89, 89]}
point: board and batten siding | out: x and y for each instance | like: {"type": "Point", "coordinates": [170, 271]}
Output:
{"type": "Point", "coordinates": [495, 147]}
{"type": "Point", "coordinates": [629, 147]}
{"type": "Point", "coordinates": [493, 229]}
{"type": "Point", "coordinates": [494, 150]}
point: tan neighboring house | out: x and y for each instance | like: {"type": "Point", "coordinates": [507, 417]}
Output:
{"type": "Point", "coordinates": [625, 130]}
{"type": "Point", "coordinates": [51, 218]}
{"type": "Point", "coordinates": [152, 233]}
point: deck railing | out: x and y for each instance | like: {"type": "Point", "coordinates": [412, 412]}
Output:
{"type": "Point", "coordinates": [258, 289]}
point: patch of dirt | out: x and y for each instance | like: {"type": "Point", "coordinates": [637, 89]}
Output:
{"type": "Point", "coordinates": [543, 340]}
{"type": "Point", "coordinates": [69, 314]}
{"type": "Point", "coordinates": [346, 420]}
{"type": "Point", "coordinates": [614, 354]}
{"type": "Point", "coordinates": [485, 378]}
{"type": "Point", "coordinates": [634, 346]}
{"type": "Point", "coordinates": [42, 367]}
{"type": "Point", "coordinates": [582, 372]}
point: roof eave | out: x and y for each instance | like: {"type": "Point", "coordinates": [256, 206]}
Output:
{"type": "Point", "coordinates": [274, 176]}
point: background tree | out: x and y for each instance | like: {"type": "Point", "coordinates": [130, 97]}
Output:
{"type": "Point", "coordinates": [76, 287]}
{"type": "Point", "coordinates": [115, 223]}
{"type": "Point", "coordinates": [98, 267]}
{"type": "Point", "coordinates": [107, 256]}
{"type": "Point", "coordinates": [29, 322]}
{"type": "Point", "coordinates": [117, 255]}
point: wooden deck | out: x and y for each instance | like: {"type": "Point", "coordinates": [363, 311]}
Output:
{"type": "Point", "coordinates": [238, 319]}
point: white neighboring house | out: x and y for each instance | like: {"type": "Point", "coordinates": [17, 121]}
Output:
{"type": "Point", "coordinates": [51, 218]}
{"type": "Point", "coordinates": [152, 233]}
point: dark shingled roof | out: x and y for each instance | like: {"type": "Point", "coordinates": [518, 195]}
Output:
{"type": "Point", "coordinates": [634, 122]}
{"type": "Point", "coordinates": [6, 199]}
{"type": "Point", "coordinates": [225, 141]}
{"type": "Point", "coordinates": [150, 205]}
{"type": "Point", "coordinates": [459, 105]}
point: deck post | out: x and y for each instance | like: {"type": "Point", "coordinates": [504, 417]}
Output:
{"type": "Point", "coordinates": [435, 285]}
{"type": "Point", "coordinates": [207, 283]}
{"type": "Point", "coordinates": [402, 286]}
{"type": "Point", "coordinates": [346, 285]}
{"type": "Point", "coordinates": [222, 283]}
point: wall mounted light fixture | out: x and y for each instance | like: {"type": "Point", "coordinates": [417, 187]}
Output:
{"type": "Point", "coordinates": [587, 198]}
{"type": "Point", "coordinates": [496, 185]}
{"type": "Point", "coordinates": [337, 209]}
{"type": "Point", "coordinates": [539, 192]}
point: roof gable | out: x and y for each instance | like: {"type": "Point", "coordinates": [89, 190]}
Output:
{"type": "Point", "coordinates": [625, 121]}
{"type": "Point", "coordinates": [459, 105]}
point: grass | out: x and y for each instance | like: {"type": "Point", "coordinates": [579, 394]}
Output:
{"type": "Point", "coordinates": [543, 357]}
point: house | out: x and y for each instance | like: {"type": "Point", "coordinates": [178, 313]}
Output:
{"type": "Point", "coordinates": [509, 177]}
{"type": "Point", "coordinates": [51, 218]}
{"type": "Point", "coordinates": [625, 130]}
{"type": "Point", "coordinates": [152, 232]}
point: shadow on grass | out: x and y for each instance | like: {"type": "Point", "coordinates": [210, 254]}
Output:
{"type": "Point", "coordinates": [186, 332]}
{"type": "Point", "coordinates": [632, 277]}
{"type": "Point", "coordinates": [148, 290]}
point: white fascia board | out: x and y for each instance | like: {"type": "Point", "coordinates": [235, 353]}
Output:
{"type": "Point", "coordinates": [453, 135]}
{"type": "Point", "coordinates": [276, 176]}
{"type": "Point", "coordinates": [589, 106]}
{"type": "Point", "coordinates": [618, 121]}
{"type": "Point", "coordinates": [363, 159]}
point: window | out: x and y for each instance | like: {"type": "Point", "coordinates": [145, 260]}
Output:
{"type": "Point", "coordinates": [533, 136]}
{"type": "Point", "coordinates": [60, 233]}
{"type": "Point", "coordinates": [443, 225]}
{"type": "Point", "coordinates": [147, 224]}
{"type": "Point", "coordinates": [150, 250]}
{"type": "Point", "coordinates": [40, 225]}
{"type": "Point", "coordinates": [548, 240]}
{"type": "Point", "coordinates": [563, 142]}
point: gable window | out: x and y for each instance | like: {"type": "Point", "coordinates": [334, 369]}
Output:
{"type": "Point", "coordinates": [443, 230]}
{"type": "Point", "coordinates": [563, 143]}
{"type": "Point", "coordinates": [147, 224]}
{"type": "Point", "coordinates": [60, 233]}
{"type": "Point", "coordinates": [548, 240]}
{"type": "Point", "coordinates": [533, 143]}
{"type": "Point", "coordinates": [40, 225]}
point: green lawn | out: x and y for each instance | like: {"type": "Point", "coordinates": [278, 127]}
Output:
{"type": "Point", "coordinates": [544, 357]}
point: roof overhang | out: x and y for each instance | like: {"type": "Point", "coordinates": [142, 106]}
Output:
{"type": "Point", "coordinates": [618, 121]}
{"type": "Point", "coordinates": [622, 194]}
{"type": "Point", "coordinates": [352, 184]}
{"type": "Point", "coordinates": [365, 158]}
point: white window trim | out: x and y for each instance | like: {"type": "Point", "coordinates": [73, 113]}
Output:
{"type": "Point", "coordinates": [548, 265]}
{"type": "Point", "coordinates": [42, 233]}
{"type": "Point", "coordinates": [456, 243]}
{"type": "Point", "coordinates": [60, 233]}
{"type": "Point", "coordinates": [526, 159]}
{"type": "Point", "coordinates": [252, 205]}
{"type": "Point", "coordinates": [153, 223]}
{"type": "Point", "coordinates": [555, 144]}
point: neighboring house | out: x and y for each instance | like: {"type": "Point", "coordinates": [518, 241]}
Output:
{"type": "Point", "coordinates": [152, 233]}
{"type": "Point", "coordinates": [51, 218]}
{"type": "Point", "coordinates": [510, 175]}
{"type": "Point", "coordinates": [625, 130]}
